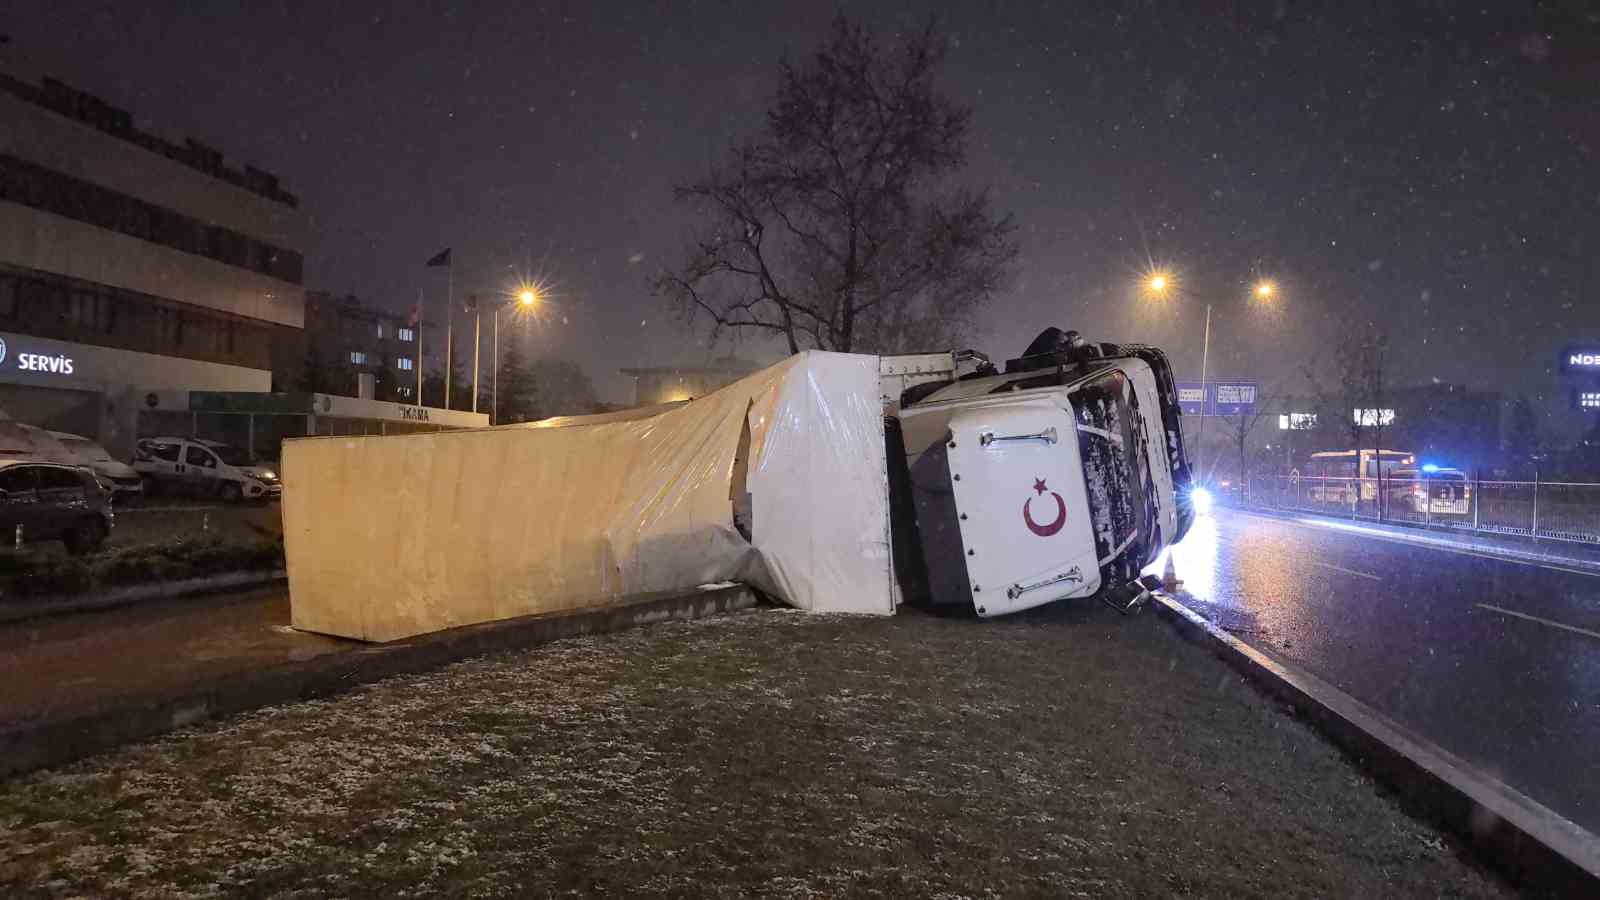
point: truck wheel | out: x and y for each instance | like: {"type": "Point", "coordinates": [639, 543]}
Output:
{"type": "Point", "coordinates": [231, 493]}
{"type": "Point", "coordinates": [85, 537]}
{"type": "Point", "coordinates": [151, 486]}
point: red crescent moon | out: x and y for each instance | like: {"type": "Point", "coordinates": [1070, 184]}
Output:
{"type": "Point", "coordinates": [1053, 527]}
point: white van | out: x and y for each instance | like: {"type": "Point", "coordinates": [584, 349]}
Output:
{"type": "Point", "coordinates": [122, 478]}
{"type": "Point", "coordinates": [203, 468]}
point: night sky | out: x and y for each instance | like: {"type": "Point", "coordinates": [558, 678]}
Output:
{"type": "Point", "coordinates": [1431, 171]}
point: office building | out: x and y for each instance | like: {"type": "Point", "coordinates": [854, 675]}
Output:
{"type": "Point", "coordinates": [353, 349]}
{"type": "Point", "coordinates": [131, 264]}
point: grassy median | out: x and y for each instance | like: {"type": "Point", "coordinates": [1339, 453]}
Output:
{"type": "Point", "coordinates": [1072, 752]}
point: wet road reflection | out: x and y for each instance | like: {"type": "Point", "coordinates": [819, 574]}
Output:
{"type": "Point", "coordinates": [1494, 660]}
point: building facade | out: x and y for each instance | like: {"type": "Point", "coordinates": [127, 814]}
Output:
{"type": "Point", "coordinates": [670, 384]}
{"type": "Point", "coordinates": [345, 339]}
{"type": "Point", "coordinates": [1446, 424]}
{"type": "Point", "coordinates": [130, 264]}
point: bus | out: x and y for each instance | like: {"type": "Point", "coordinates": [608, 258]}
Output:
{"type": "Point", "coordinates": [1332, 476]}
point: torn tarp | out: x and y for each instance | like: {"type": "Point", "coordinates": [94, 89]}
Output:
{"type": "Point", "coordinates": [777, 480]}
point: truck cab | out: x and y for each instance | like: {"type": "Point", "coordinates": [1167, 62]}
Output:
{"type": "Point", "coordinates": [1062, 477]}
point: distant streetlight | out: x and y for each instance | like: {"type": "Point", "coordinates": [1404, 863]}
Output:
{"type": "Point", "coordinates": [528, 296]}
{"type": "Point", "coordinates": [1161, 283]}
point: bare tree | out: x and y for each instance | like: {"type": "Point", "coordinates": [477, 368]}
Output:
{"type": "Point", "coordinates": [1243, 424]}
{"type": "Point", "coordinates": [834, 228]}
{"type": "Point", "coordinates": [1358, 390]}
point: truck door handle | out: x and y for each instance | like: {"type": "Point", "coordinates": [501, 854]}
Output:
{"type": "Point", "coordinates": [1073, 574]}
{"type": "Point", "coordinates": [988, 437]}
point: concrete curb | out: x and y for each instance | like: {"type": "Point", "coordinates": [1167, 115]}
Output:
{"type": "Point", "coordinates": [62, 604]}
{"type": "Point", "coordinates": [1423, 536]}
{"type": "Point", "coordinates": [1535, 845]}
{"type": "Point", "coordinates": [25, 746]}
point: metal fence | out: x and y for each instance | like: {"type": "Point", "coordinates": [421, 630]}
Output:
{"type": "Point", "coordinates": [1560, 511]}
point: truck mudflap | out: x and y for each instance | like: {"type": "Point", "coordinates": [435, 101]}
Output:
{"type": "Point", "coordinates": [1003, 510]}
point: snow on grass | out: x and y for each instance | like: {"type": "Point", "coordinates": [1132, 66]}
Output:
{"type": "Point", "coordinates": [759, 753]}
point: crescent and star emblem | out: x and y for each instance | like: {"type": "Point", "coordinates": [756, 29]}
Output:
{"type": "Point", "coordinates": [1048, 528]}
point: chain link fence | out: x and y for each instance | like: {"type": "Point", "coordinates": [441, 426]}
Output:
{"type": "Point", "coordinates": [1561, 511]}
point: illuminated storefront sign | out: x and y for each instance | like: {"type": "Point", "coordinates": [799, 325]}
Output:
{"type": "Point", "coordinates": [1580, 358]}
{"type": "Point", "coordinates": [48, 363]}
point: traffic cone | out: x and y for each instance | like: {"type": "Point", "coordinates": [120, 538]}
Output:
{"type": "Point", "coordinates": [1169, 577]}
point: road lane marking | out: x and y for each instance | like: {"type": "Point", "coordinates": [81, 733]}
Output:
{"type": "Point", "coordinates": [1430, 544]}
{"type": "Point", "coordinates": [1348, 571]}
{"type": "Point", "coordinates": [1564, 627]}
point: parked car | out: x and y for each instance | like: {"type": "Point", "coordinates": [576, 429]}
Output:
{"type": "Point", "coordinates": [22, 441]}
{"type": "Point", "coordinates": [203, 468]}
{"type": "Point", "coordinates": [53, 502]}
{"type": "Point", "coordinates": [122, 478]}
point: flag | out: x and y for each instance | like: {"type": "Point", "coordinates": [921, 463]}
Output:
{"type": "Point", "coordinates": [416, 314]}
{"type": "Point", "coordinates": [440, 259]}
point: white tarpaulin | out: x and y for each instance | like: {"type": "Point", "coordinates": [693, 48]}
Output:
{"type": "Point", "coordinates": [389, 537]}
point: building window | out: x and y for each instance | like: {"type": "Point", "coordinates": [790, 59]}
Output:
{"type": "Point", "coordinates": [404, 364]}
{"type": "Point", "coordinates": [407, 335]}
{"type": "Point", "coordinates": [380, 330]}
{"type": "Point", "coordinates": [358, 357]}
{"type": "Point", "coordinates": [33, 186]}
{"type": "Point", "coordinates": [91, 311]}
{"type": "Point", "coordinates": [8, 297]}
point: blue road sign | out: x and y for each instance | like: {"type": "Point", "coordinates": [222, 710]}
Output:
{"type": "Point", "coordinates": [1217, 398]}
{"type": "Point", "coordinates": [1233, 398]}
{"type": "Point", "coordinates": [1192, 398]}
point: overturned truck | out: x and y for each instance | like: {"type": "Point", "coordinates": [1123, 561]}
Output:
{"type": "Point", "coordinates": [831, 482]}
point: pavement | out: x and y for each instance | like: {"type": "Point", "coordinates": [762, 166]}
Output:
{"type": "Point", "coordinates": [1068, 751]}
{"type": "Point", "coordinates": [100, 660]}
{"type": "Point", "coordinates": [80, 684]}
{"type": "Point", "coordinates": [1495, 660]}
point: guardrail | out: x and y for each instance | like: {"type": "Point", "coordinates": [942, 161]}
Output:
{"type": "Point", "coordinates": [1542, 510]}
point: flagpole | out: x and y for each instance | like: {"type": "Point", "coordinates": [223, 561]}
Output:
{"type": "Point", "coordinates": [419, 346]}
{"type": "Point", "coordinates": [449, 329]}
{"type": "Point", "coordinates": [494, 404]}
{"type": "Point", "coordinates": [477, 341]}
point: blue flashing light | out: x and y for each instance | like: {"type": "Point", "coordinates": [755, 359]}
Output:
{"type": "Point", "coordinates": [1429, 468]}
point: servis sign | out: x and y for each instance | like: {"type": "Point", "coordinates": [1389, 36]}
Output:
{"type": "Point", "coordinates": [44, 363]}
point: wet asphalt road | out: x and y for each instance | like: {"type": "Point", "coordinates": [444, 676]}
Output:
{"type": "Point", "coordinates": [1408, 630]}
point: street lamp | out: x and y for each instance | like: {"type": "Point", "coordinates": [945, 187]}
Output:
{"type": "Point", "coordinates": [1158, 283]}
{"type": "Point", "coordinates": [528, 296]}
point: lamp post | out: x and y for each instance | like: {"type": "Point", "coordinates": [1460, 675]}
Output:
{"type": "Point", "coordinates": [1159, 284]}
{"type": "Point", "coordinates": [527, 298]}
